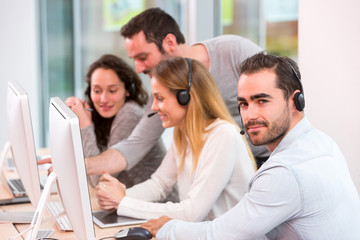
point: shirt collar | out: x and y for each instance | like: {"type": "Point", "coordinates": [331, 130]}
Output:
{"type": "Point", "coordinates": [299, 129]}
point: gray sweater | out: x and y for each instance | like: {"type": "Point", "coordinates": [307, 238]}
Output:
{"type": "Point", "coordinates": [124, 122]}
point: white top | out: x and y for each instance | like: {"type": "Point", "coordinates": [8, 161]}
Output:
{"type": "Point", "coordinates": [220, 180]}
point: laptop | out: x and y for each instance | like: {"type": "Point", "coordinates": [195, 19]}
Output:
{"type": "Point", "coordinates": [106, 219]}
{"type": "Point", "coordinates": [14, 184]}
{"type": "Point", "coordinates": [16, 187]}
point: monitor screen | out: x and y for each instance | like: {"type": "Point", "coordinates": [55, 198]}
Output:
{"type": "Point", "coordinates": [69, 167]}
{"type": "Point", "coordinates": [21, 140]}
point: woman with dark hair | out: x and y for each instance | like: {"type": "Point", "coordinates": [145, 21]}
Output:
{"type": "Point", "coordinates": [114, 105]}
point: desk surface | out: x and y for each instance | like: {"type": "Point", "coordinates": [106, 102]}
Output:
{"type": "Point", "coordinates": [10, 230]}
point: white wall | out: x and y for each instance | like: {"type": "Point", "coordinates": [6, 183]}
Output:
{"type": "Point", "coordinates": [18, 57]}
{"type": "Point", "coordinates": [329, 59]}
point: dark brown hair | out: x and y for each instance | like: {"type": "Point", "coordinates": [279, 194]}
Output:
{"type": "Point", "coordinates": [286, 70]}
{"type": "Point", "coordinates": [156, 24]}
{"type": "Point", "coordinates": [133, 85]}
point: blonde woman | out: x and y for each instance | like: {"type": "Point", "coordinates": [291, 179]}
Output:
{"type": "Point", "coordinates": [208, 159]}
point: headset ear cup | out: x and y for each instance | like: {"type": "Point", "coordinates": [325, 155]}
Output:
{"type": "Point", "coordinates": [299, 101]}
{"type": "Point", "coordinates": [183, 97]}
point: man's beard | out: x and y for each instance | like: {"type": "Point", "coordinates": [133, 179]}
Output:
{"type": "Point", "coordinates": [277, 129]}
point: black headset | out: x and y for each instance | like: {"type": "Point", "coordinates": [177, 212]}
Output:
{"type": "Point", "coordinates": [183, 96]}
{"type": "Point", "coordinates": [299, 99]}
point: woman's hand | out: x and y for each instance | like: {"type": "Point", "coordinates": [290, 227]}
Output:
{"type": "Point", "coordinates": [109, 192]}
{"type": "Point", "coordinates": [81, 109]}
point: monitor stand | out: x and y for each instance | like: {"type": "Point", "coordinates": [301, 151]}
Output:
{"type": "Point", "coordinates": [39, 213]}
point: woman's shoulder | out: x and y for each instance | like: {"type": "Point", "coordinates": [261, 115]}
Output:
{"type": "Point", "coordinates": [223, 128]}
{"type": "Point", "coordinates": [222, 125]}
{"type": "Point", "coordinates": [131, 107]}
{"type": "Point", "coordinates": [129, 111]}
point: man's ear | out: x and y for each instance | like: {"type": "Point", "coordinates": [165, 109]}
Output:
{"type": "Point", "coordinates": [297, 100]}
{"type": "Point", "coordinates": [291, 102]}
{"type": "Point", "coordinates": [169, 43]}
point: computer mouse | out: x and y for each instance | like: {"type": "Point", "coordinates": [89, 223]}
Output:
{"type": "Point", "coordinates": [133, 233]}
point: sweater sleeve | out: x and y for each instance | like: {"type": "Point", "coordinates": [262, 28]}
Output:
{"type": "Point", "coordinates": [90, 148]}
{"type": "Point", "coordinates": [122, 126]}
{"type": "Point", "coordinates": [88, 139]}
{"type": "Point", "coordinates": [125, 122]}
{"type": "Point", "coordinates": [142, 139]}
{"type": "Point", "coordinates": [161, 182]}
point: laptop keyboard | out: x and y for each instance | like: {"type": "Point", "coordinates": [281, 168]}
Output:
{"type": "Point", "coordinates": [56, 210]}
{"type": "Point", "coordinates": [16, 186]}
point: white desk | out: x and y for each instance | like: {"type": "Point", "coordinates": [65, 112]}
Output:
{"type": "Point", "coordinates": [10, 230]}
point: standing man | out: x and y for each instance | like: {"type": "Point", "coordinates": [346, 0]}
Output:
{"type": "Point", "coordinates": [154, 35]}
{"type": "Point", "coordinates": [303, 191]}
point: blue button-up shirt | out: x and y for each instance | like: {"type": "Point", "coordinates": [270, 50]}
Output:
{"type": "Point", "coordinates": [303, 191]}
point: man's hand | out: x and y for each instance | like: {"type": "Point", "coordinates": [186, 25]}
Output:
{"type": "Point", "coordinates": [109, 192]}
{"type": "Point", "coordinates": [46, 161]}
{"type": "Point", "coordinates": [154, 225]}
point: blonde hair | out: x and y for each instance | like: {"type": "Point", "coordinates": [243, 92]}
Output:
{"type": "Point", "coordinates": [205, 106]}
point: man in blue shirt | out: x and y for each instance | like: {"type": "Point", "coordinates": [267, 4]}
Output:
{"type": "Point", "coordinates": [303, 191]}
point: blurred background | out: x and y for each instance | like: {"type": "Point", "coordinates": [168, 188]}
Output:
{"type": "Point", "coordinates": [47, 46]}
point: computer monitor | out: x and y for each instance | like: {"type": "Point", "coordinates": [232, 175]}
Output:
{"type": "Point", "coordinates": [69, 167]}
{"type": "Point", "coordinates": [21, 140]}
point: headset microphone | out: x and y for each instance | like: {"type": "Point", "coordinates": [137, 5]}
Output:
{"type": "Point", "coordinates": [242, 132]}
{"type": "Point", "coordinates": [151, 114]}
